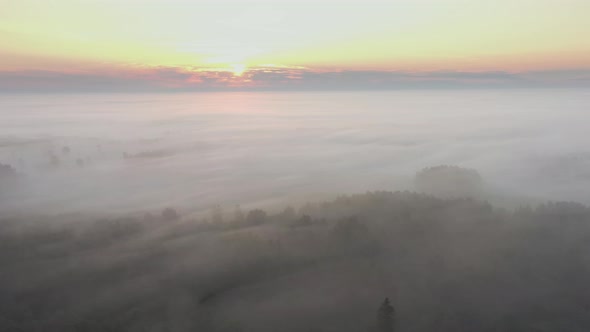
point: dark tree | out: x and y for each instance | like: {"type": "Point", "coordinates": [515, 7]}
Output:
{"type": "Point", "coordinates": [7, 171]}
{"type": "Point", "coordinates": [288, 214]}
{"type": "Point", "coordinates": [350, 229]}
{"type": "Point", "coordinates": [256, 217]}
{"type": "Point", "coordinates": [305, 220]}
{"type": "Point", "coordinates": [450, 182]}
{"type": "Point", "coordinates": [385, 317]}
{"type": "Point", "coordinates": [169, 214]}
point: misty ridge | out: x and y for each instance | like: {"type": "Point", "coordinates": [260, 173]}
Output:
{"type": "Point", "coordinates": [304, 215]}
{"type": "Point", "coordinates": [446, 260]}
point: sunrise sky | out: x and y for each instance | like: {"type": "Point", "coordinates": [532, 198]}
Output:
{"type": "Point", "coordinates": [181, 44]}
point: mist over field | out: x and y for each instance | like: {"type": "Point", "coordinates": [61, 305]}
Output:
{"type": "Point", "coordinates": [129, 152]}
{"type": "Point", "coordinates": [294, 166]}
{"type": "Point", "coordinates": [431, 210]}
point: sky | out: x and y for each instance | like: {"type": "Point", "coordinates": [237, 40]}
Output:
{"type": "Point", "coordinates": [192, 45]}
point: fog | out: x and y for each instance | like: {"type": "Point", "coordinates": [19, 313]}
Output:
{"type": "Point", "coordinates": [316, 212]}
{"type": "Point", "coordinates": [126, 152]}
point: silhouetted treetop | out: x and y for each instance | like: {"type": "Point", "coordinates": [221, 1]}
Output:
{"type": "Point", "coordinates": [386, 317]}
{"type": "Point", "coordinates": [449, 181]}
{"type": "Point", "coordinates": [170, 214]}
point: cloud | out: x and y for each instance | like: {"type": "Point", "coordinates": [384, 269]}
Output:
{"type": "Point", "coordinates": [278, 78]}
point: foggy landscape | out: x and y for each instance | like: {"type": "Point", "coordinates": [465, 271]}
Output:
{"type": "Point", "coordinates": [295, 211]}
{"type": "Point", "coordinates": [130, 152]}
{"type": "Point", "coordinates": [294, 166]}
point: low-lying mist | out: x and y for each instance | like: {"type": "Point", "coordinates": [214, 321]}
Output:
{"type": "Point", "coordinates": [82, 153]}
{"type": "Point", "coordinates": [295, 212]}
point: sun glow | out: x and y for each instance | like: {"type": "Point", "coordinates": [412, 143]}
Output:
{"type": "Point", "coordinates": [238, 69]}
{"type": "Point", "coordinates": [237, 39]}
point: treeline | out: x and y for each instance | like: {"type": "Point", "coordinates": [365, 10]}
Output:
{"type": "Point", "coordinates": [444, 264]}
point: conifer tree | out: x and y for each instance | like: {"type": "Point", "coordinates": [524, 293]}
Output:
{"type": "Point", "coordinates": [385, 317]}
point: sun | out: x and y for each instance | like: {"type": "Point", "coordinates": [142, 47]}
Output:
{"type": "Point", "coordinates": [238, 69]}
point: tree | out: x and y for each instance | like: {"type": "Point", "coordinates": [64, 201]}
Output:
{"type": "Point", "coordinates": [450, 182]}
{"type": "Point", "coordinates": [385, 317]}
{"type": "Point", "coordinates": [256, 217]}
{"type": "Point", "coordinates": [288, 214]}
{"type": "Point", "coordinates": [350, 230]}
{"type": "Point", "coordinates": [7, 171]}
{"type": "Point", "coordinates": [305, 220]}
{"type": "Point", "coordinates": [169, 214]}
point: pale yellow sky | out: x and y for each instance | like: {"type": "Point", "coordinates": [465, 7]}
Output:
{"type": "Point", "coordinates": [412, 35]}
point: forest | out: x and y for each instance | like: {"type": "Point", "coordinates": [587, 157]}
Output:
{"type": "Point", "coordinates": [374, 261]}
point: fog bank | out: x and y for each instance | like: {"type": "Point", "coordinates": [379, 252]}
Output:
{"type": "Point", "coordinates": [129, 152]}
